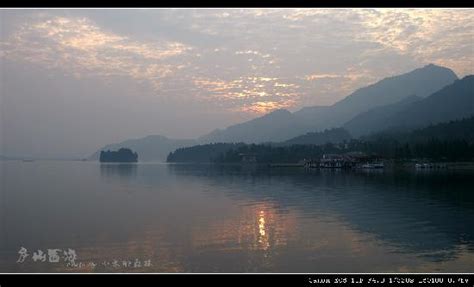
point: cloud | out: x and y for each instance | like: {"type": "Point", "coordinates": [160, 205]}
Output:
{"type": "Point", "coordinates": [266, 107]}
{"type": "Point", "coordinates": [249, 94]}
{"type": "Point", "coordinates": [240, 59]}
{"type": "Point", "coordinates": [426, 35]}
{"type": "Point", "coordinates": [323, 76]}
{"type": "Point", "coordinates": [81, 48]}
{"type": "Point", "coordinates": [251, 52]}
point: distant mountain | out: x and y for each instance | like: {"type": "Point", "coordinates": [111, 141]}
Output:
{"type": "Point", "coordinates": [282, 125]}
{"type": "Point", "coordinates": [376, 118]}
{"type": "Point", "coordinates": [278, 125]}
{"type": "Point", "coordinates": [309, 113]}
{"type": "Point", "coordinates": [455, 101]}
{"type": "Point", "coordinates": [421, 82]}
{"type": "Point", "coordinates": [150, 148]}
{"type": "Point", "coordinates": [318, 138]}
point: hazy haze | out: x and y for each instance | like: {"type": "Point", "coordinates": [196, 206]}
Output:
{"type": "Point", "coordinates": [72, 81]}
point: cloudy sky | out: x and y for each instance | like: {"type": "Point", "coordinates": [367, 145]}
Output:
{"type": "Point", "coordinates": [74, 80]}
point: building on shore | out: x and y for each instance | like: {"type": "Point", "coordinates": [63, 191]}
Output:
{"type": "Point", "coordinates": [346, 160]}
{"type": "Point", "coordinates": [336, 161]}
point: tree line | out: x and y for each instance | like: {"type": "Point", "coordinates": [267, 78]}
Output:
{"type": "Point", "coordinates": [452, 141]}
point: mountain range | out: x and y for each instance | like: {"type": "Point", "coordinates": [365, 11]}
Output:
{"type": "Point", "coordinates": [455, 101]}
{"type": "Point", "coordinates": [375, 118]}
{"type": "Point", "coordinates": [336, 135]}
{"type": "Point", "coordinates": [282, 125]}
{"type": "Point", "coordinates": [424, 96]}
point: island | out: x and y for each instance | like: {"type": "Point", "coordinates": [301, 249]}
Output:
{"type": "Point", "coordinates": [122, 155]}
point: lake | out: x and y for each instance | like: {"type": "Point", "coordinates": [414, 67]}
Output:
{"type": "Point", "coordinates": [154, 217]}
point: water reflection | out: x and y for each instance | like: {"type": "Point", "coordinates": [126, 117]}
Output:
{"type": "Point", "coordinates": [426, 214]}
{"type": "Point", "coordinates": [118, 170]}
{"type": "Point", "coordinates": [263, 238]}
{"type": "Point", "coordinates": [203, 218]}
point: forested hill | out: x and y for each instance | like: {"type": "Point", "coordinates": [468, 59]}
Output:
{"type": "Point", "coordinates": [447, 141]}
{"type": "Point", "coordinates": [202, 153]}
{"type": "Point", "coordinates": [454, 130]}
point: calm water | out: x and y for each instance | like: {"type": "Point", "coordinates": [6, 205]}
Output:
{"type": "Point", "coordinates": [200, 218]}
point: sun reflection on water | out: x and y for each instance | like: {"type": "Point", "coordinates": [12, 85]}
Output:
{"type": "Point", "coordinates": [263, 237]}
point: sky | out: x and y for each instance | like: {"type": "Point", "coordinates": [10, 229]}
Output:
{"type": "Point", "coordinates": [73, 80]}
